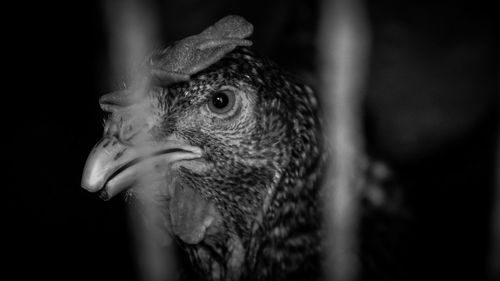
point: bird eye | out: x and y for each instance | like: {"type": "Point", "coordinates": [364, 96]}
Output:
{"type": "Point", "coordinates": [221, 102]}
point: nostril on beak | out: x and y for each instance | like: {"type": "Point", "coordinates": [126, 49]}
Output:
{"type": "Point", "coordinates": [127, 131]}
{"type": "Point", "coordinates": [126, 134]}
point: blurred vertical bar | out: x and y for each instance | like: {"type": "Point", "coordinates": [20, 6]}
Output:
{"type": "Point", "coordinates": [344, 46]}
{"type": "Point", "coordinates": [133, 31]}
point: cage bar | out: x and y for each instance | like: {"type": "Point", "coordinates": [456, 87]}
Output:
{"type": "Point", "coordinates": [343, 42]}
{"type": "Point", "coordinates": [133, 28]}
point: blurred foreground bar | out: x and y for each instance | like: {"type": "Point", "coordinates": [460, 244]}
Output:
{"type": "Point", "coordinates": [344, 46]}
{"type": "Point", "coordinates": [133, 27]}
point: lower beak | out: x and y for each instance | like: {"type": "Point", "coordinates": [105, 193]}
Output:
{"type": "Point", "coordinates": [113, 166]}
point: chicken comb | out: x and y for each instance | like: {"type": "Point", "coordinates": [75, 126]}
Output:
{"type": "Point", "coordinates": [186, 57]}
{"type": "Point", "coordinates": [195, 53]}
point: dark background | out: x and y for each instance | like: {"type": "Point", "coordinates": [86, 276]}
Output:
{"type": "Point", "coordinates": [431, 112]}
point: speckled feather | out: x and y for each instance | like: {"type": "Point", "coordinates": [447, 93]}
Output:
{"type": "Point", "coordinates": [272, 155]}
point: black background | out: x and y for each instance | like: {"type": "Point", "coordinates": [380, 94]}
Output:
{"type": "Point", "coordinates": [431, 111]}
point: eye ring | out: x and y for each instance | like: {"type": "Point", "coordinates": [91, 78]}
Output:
{"type": "Point", "coordinates": [222, 102]}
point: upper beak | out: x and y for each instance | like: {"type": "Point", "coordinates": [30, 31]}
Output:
{"type": "Point", "coordinates": [113, 166]}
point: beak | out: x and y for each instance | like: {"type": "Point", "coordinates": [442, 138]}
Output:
{"type": "Point", "coordinates": [113, 166]}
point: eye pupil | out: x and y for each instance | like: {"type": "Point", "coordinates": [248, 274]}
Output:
{"type": "Point", "coordinates": [220, 100]}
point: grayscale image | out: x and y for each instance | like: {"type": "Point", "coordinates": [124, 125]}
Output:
{"type": "Point", "coordinates": [341, 140]}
